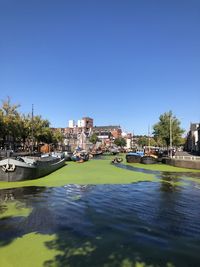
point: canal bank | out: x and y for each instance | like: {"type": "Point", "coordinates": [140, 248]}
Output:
{"type": "Point", "coordinates": [96, 172]}
{"type": "Point", "coordinates": [181, 162]}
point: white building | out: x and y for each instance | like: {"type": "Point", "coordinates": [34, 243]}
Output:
{"type": "Point", "coordinates": [71, 124]}
{"type": "Point", "coordinates": [81, 123]}
{"type": "Point", "coordinates": [128, 143]}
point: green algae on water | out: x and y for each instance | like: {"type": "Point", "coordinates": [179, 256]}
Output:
{"type": "Point", "coordinates": [13, 209]}
{"type": "Point", "coordinates": [96, 172]}
{"type": "Point", "coordinates": [90, 172]}
{"type": "Point", "coordinates": [161, 167]}
{"type": "Point", "coordinates": [29, 250]}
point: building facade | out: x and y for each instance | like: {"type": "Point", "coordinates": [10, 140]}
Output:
{"type": "Point", "coordinates": [78, 134]}
{"type": "Point", "coordinates": [192, 139]}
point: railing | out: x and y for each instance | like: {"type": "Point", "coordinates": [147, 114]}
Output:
{"type": "Point", "coordinates": [186, 157]}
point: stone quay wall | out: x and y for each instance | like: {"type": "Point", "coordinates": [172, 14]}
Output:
{"type": "Point", "coordinates": [190, 164]}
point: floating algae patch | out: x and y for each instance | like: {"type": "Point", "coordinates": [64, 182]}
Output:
{"type": "Point", "coordinates": [11, 204]}
{"type": "Point", "coordinates": [162, 168]}
{"type": "Point", "coordinates": [99, 172]}
{"type": "Point", "coordinates": [29, 250]}
{"type": "Point", "coordinates": [90, 172]}
{"type": "Point", "coordinates": [108, 225]}
{"type": "Point", "coordinates": [13, 209]}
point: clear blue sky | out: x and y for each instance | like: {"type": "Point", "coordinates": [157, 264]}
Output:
{"type": "Point", "coordinates": [121, 62]}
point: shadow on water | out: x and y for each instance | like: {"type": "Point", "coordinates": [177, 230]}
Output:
{"type": "Point", "coordinates": [132, 168]}
{"type": "Point", "coordinates": [111, 225]}
{"type": "Point", "coordinates": [14, 225]}
{"type": "Point", "coordinates": [123, 224]}
{"type": "Point", "coordinates": [170, 181]}
{"type": "Point", "coordinates": [41, 201]}
{"type": "Point", "coordinates": [136, 169]}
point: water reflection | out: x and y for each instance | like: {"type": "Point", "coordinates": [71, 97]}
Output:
{"type": "Point", "coordinates": [14, 204]}
{"type": "Point", "coordinates": [168, 182]}
{"type": "Point", "coordinates": [19, 193]}
{"type": "Point", "coordinates": [106, 225]}
{"type": "Point", "coordinates": [175, 174]}
{"type": "Point", "coordinates": [132, 168]}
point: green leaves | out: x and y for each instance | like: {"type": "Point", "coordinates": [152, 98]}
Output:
{"type": "Point", "coordinates": [18, 128]}
{"type": "Point", "coordinates": [120, 142]}
{"type": "Point", "coordinates": [94, 138]}
{"type": "Point", "coordinates": [168, 122]}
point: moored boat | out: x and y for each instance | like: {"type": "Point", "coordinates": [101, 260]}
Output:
{"type": "Point", "coordinates": [117, 160]}
{"type": "Point", "coordinates": [27, 168]}
{"type": "Point", "coordinates": [134, 157]}
{"type": "Point", "coordinates": [96, 152]}
{"type": "Point", "coordinates": [80, 156]}
{"type": "Point", "coordinates": [148, 159]}
{"type": "Point", "coordinates": [68, 155]}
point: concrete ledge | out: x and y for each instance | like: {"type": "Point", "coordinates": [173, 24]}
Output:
{"type": "Point", "coordinates": [190, 164]}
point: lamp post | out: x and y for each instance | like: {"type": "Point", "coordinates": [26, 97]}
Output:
{"type": "Point", "coordinates": [149, 141]}
{"type": "Point", "coordinates": [32, 130]}
{"type": "Point", "coordinates": [170, 135]}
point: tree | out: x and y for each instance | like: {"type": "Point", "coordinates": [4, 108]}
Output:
{"type": "Point", "coordinates": [17, 129]}
{"type": "Point", "coordinates": [94, 138]}
{"type": "Point", "coordinates": [167, 126]}
{"type": "Point", "coordinates": [9, 109]}
{"type": "Point", "coordinates": [146, 141]}
{"type": "Point", "coordinates": [2, 127]}
{"type": "Point", "coordinates": [57, 137]}
{"type": "Point", "coordinates": [10, 120]}
{"type": "Point", "coordinates": [25, 130]}
{"type": "Point", "coordinates": [120, 142]}
{"type": "Point", "coordinates": [143, 141]}
{"type": "Point", "coordinates": [40, 132]}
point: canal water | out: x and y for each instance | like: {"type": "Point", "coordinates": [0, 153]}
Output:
{"type": "Point", "coordinates": [153, 222]}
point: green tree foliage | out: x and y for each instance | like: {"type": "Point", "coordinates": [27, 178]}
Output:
{"type": "Point", "coordinates": [8, 108]}
{"type": "Point", "coordinates": [57, 137]}
{"type": "Point", "coordinates": [25, 128]}
{"type": "Point", "coordinates": [40, 129]}
{"type": "Point", "coordinates": [16, 128]}
{"type": "Point", "coordinates": [94, 138]}
{"type": "Point", "coordinates": [182, 141]}
{"type": "Point", "coordinates": [143, 141]}
{"type": "Point", "coordinates": [120, 142]}
{"type": "Point", "coordinates": [2, 128]}
{"type": "Point", "coordinates": [10, 120]}
{"type": "Point", "coordinates": [162, 130]}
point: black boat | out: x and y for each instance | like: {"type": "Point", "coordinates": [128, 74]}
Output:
{"type": "Point", "coordinates": [148, 160]}
{"type": "Point", "coordinates": [27, 168]}
{"type": "Point", "coordinates": [96, 153]}
{"type": "Point", "coordinates": [134, 157]}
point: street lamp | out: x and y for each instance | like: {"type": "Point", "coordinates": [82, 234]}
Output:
{"type": "Point", "coordinates": [32, 129]}
{"type": "Point", "coordinates": [170, 135]}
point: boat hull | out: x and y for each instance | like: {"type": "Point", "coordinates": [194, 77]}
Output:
{"type": "Point", "coordinates": [133, 158]}
{"type": "Point", "coordinates": [12, 170]}
{"type": "Point", "coordinates": [80, 157]}
{"type": "Point", "coordinates": [148, 160]}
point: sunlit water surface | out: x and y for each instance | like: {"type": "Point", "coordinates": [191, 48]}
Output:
{"type": "Point", "coordinates": [155, 223]}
